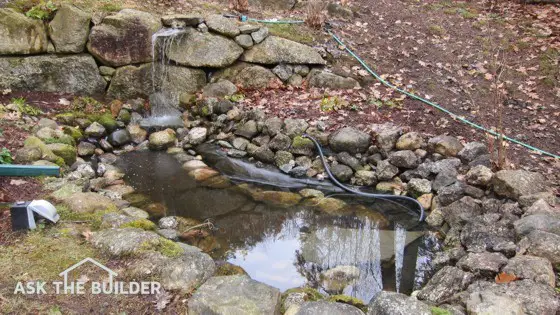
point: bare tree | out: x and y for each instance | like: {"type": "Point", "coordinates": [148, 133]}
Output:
{"type": "Point", "coordinates": [315, 17]}
{"type": "Point", "coordinates": [239, 5]}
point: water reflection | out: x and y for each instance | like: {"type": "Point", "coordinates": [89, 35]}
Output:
{"type": "Point", "coordinates": [292, 247]}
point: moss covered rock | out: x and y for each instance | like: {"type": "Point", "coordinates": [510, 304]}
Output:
{"type": "Point", "coordinates": [46, 153]}
{"type": "Point", "coordinates": [20, 34]}
{"type": "Point", "coordinates": [65, 151]}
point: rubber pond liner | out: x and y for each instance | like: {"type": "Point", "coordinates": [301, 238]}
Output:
{"type": "Point", "coordinates": [359, 250]}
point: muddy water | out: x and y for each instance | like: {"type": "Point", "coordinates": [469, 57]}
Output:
{"type": "Point", "coordinates": [287, 247]}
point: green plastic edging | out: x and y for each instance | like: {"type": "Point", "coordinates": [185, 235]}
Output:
{"type": "Point", "coordinates": [28, 170]}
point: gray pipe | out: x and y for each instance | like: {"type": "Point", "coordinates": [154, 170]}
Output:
{"type": "Point", "coordinates": [357, 192]}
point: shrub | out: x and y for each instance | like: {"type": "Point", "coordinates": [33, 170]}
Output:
{"type": "Point", "coordinates": [315, 17]}
{"type": "Point", "coordinates": [42, 11]}
{"type": "Point", "coordinates": [5, 156]}
{"type": "Point", "coordinates": [25, 108]}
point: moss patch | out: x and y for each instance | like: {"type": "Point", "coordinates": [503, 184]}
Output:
{"type": "Point", "coordinates": [227, 269]}
{"type": "Point", "coordinates": [310, 295]}
{"type": "Point", "coordinates": [94, 218]}
{"type": "Point", "coordinates": [143, 224]}
{"type": "Point", "coordinates": [293, 32]}
{"type": "Point", "coordinates": [348, 300]}
{"type": "Point", "coordinates": [440, 311]}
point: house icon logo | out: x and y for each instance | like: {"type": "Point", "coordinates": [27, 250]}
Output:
{"type": "Point", "coordinates": [86, 260]}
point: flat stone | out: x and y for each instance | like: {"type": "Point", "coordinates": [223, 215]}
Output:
{"type": "Point", "coordinates": [486, 264]}
{"type": "Point", "coordinates": [350, 140]}
{"type": "Point", "coordinates": [542, 222]}
{"type": "Point", "coordinates": [127, 241]}
{"type": "Point", "coordinates": [392, 303]}
{"type": "Point", "coordinates": [276, 50]}
{"type": "Point", "coordinates": [488, 302]}
{"type": "Point", "coordinates": [533, 268]}
{"type": "Point", "coordinates": [324, 79]}
{"type": "Point", "coordinates": [542, 244]}
{"type": "Point", "coordinates": [445, 283]}
{"type": "Point", "coordinates": [222, 25]}
{"type": "Point", "coordinates": [331, 308]}
{"type": "Point", "coordinates": [516, 183]}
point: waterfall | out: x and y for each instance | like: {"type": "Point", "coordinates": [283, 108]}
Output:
{"type": "Point", "coordinates": [400, 241]}
{"type": "Point", "coordinates": [163, 102]}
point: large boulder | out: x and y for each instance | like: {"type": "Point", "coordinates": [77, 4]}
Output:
{"type": "Point", "coordinates": [392, 303]}
{"type": "Point", "coordinates": [235, 295]}
{"type": "Point", "coordinates": [445, 145]}
{"type": "Point", "coordinates": [130, 82]}
{"type": "Point", "coordinates": [181, 80]}
{"type": "Point", "coordinates": [88, 203]}
{"type": "Point", "coordinates": [445, 283]}
{"type": "Point", "coordinates": [69, 29]}
{"type": "Point", "coordinates": [542, 222]}
{"type": "Point", "coordinates": [277, 50]}
{"type": "Point", "coordinates": [124, 38]}
{"type": "Point", "coordinates": [516, 183]}
{"type": "Point", "coordinates": [196, 49]}
{"type": "Point", "coordinates": [254, 77]}
{"type": "Point", "coordinates": [488, 302]}
{"type": "Point", "coordinates": [323, 79]}
{"type": "Point", "coordinates": [76, 74]}
{"type": "Point", "coordinates": [125, 241]}
{"type": "Point", "coordinates": [533, 268]}
{"type": "Point", "coordinates": [542, 244]}
{"type": "Point", "coordinates": [331, 308]}
{"type": "Point", "coordinates": [20, 35]}
{"type": "Point", "coordinates": [350, 140]}
{"type": "Point", "coordinates": [222, 25]}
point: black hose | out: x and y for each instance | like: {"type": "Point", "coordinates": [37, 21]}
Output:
{"type": "Point", "coordinates": [357, 192]}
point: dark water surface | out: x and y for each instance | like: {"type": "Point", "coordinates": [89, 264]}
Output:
{"type": "Point", "coordinates": [290, 247]}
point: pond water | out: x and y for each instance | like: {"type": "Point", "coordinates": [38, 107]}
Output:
{"type": "Point", "coordinates": [382, 245]}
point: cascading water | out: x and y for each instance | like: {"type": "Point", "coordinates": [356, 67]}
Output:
{"type": "Point", "coordinates": [400, 241]}
{"type": "Point", "coordinates": [163, 101]}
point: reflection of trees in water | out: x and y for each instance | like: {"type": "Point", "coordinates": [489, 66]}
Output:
{"type": "Point", "coordinates": [310, 271]}
{"type": "Point", "coordinates": [424, 262]}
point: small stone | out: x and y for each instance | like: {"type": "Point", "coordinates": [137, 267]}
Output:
{"type": "Point", "coordinates": [280, 142]}
{"type": "Point", "coordinates": [260, 35]}
{"type": "Point", "coordinates": [472, 150]}
{"type": "Point", "coordinates": [350, 140]}
{"type": "Point", "coordinates": [162, 140]}
{"type": "Point", "coordinates": [385, 170]}
{"type": "Point", "coordinates": [248, 130]}
{"type": "Point", "coordinates": [479, 175]}
{"type": "Point", "coordinates": [283, 72]}
{"type": "Point", "coordinates": [404, 159]}
{"type": "Point", "coordinates": [410, 141]}
{"type": "Point", "coordinates": [295, 80]}
{"type": "Point", "coordinates": [445, 283]}
{"type": "Point", "coordinates": [197, 135]}
{"type": "Point", "coordinates": [445, 145]}
{"type": "Point", "coordinates": [95, 130]}
{"type": "Point", "coordinates": [342, 172]}
{"type": "Point", "coordinates": [240, 143]}
{"type": "Point", "coordinates": [417, 186]}
{"type": "Point", "coordinates": [542, 207]}
{"type": "Point", "coordinates": [485, 264]}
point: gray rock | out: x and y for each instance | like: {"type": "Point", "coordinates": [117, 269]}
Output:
{"type": "Point", "coordinates": [234, 295]}
{"type": "Point", "coordinates": [295, 80]}
{"type": "Point", "coordinates": [107, 71]}
{"type": "Point", "coordinates": [323, 79]}
{"type": "Point", "coordinates": [404, 159]}
{"type": "Point", "coordinates": [460, 211]}
{"type": "Point", "coordinates": [222, 25]}
{"type": "Point", "coordinates": [542, 207]}
{"type": "Point", "coordinates": [386, 170]}
{"type": "Point", "coordinates": [527, 200]}
{"type": "Point", "coordinates": [130, 82]}
{"type": "Point", "coordinates": [542, 244]}
{"type": "Point", "coordinates": [339, 10]}
{"type": "Point", "coordinates": [488, 233]}
{"type": "Point", "coordinates": [445, 283]}
{"type": "Point", "coordinates": [280, 142]}
{"type": "Point", "coordinates": [542, 222]}
{"type": "Point", "coordinates": [442, 165]}
{"type": "Point", "coordinates": [244, 40]}
{"type": "Point", "coordinates": [136, 212]}
{"type": "Point", "coordinates": [196, 49]}
{"type": "Point", "coordinates": [445, 145]}
{"type": "Point", "coordinates": [347, 159]}
{"type": "Point", "coordinates": [302, 70]}
{"type": "Point", "coordinates": [302, 146]}
{"type": "Point", "coordinates": [418, 187]}
{"type": "Point", "coordinates": [137, 134]}
{"type": "Point", "coordinates": [181, 20]}
{"type": "Point", "coordinates": [119, 138]}
{"type": "Point", "coordinates": [479, 175]}
{"type": "Point", "coordinates": [331, 308]}
{"type": "Point", "coordinates": [342, 172]}
{"type": "Point", "coordinates": [170, 222]}
{"type": "Point", "coordinates": [483, 159]}
{"type": "Point", "coordinates": [255, 77]}
{"type": "Point", "coordinates": [488, 302]}
{"type": "Point", "coordinates": [247, 130]}
{"type": "Point", "coordinates": [21, 35]}
{"type": "Point", "coordinates": [392, 303]}
{"type": "Point", "coordinates": [248, 28]}
{"type": "Point", "coordinates": [169, 234]}
{"type": "Point", "coordinates": [451, 193]}
{"type": "Point", "coordinates": [282, 158]}
{"type": "Point", "coordinates": [263, 154]}
{"type": "Point", "coordinates": [283, 72]}
{"type": "Point", "coordinates": [365, 178]}
{"type": "Point", "coordinates": [105, 145]}
{"type": "Point", "coordinates": [484, 264]}
{"type": "Point", "coordinates": [179, 80]}
{"type": "Point", "coordinates": [69, 29]}
{"type": "Point", "coordinates": [188, 271]}
{"type": "Point", "coordinates": [121, 242]}
{"type": "Point", "coordinates": [472, 150]}
{"type": "Point", "coordinates": [162, 140]}
{"type": "Point", "coordinates": [197, 135]}
{"type": "Point", "coordinates": [114, 220]}
{"type": "Point", "coordinates": [445, 178]}
{"type": "Point", "coordinates": [516, 183]}
{"type": "Point", "coordinates": [86, 149]}
{"type": "Point", "coordinates": [236, 153]}
{"type": "Point", "coordinates": [386, 135]}
{"type": "Point", "coordinates": [295, 127]}
{"type": "Point", "coordinates": [260, 35]}
{"type": "Point", "coordinates": [273, 125]}
{"type": "Point", "coordinates": [277, 50]}
{"type": "Point", "coordinates": [535, 298]}
{"type": "Point", "coordinates": [27, 155]}
{"type": "Point", "coordinates": [123, 38]}
{"type": "Point", "coordinates": [240, 143]}
{"type": "Point", "coordinates": [350, 140]}
{"type": "Point", "coordinates": [533, 268]}
{"type": "Point", "coordinates": [410, 141]}
{"type": "Point", "coordinates": [75, 74]}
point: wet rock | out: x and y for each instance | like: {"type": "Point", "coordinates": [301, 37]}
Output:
{"type": "Point", "coordinates": [73, 74]}
{"type": "Point", "coordinates": [472, 150]}
{"type": "Point", "coordinates": [535, 298]}
{"type": "Point", "coordinates": [445, 145]}
{"type": "Point", "coordinates": [263, 154]}
{"type": "Point", "coordinates": [119, 138]}
{"type": "Point", "coordinates": [323, 79]}
{"type": "Point", "coordinates": [197, 135]}
{"type": "Point", "coordinates": [336, 279]}
{"type": "Point", "coordinates": [69, 29]}
{"type": "Point", "coordinates": [219, 89]}
{"type": "Point", "coordinates": [488, 302]}
{"type": "Point", "coordinates": [302, 146]}
{"type": "Point", "coordinates": [244, 40]}
{"type": "Point", "coordinates": [235, 295]}
{"type": "Point", "coordinates": [328, 205]}
{"type": "Point", "coordinates": [196, 49]}
{"type": "Point", "coordinates": [392, 303]}
{"type": "Point", "coordinates": [203, 174]}
{"type": "Point", "coordinates": [279, 198]}
{"type": "Point", "coordinates": [130, 82]}
{"type": "Point", "coordinates": [162, 140]}
{"type": "Point", "coordinates": [350, 140]}
{"type": "Point", "coordinates": [485, 264]}
{"type": "Point", "coordinates": [487, 232]}
{"type": "Point", "coordinates": [365, 178]}
{"type": "Point", "coordinates": [255, 77]}
{"type": "Point", "coordinates": [277, 50]}
{"type": "Point", "coordinates": [410, 141]}
{"type": "Point", "coordinates": [222, 25]}
{"type": "Point", "coordinates": [248, 130]}
{"type": "Point", "coordinates": [137, 134]}
{"type": "Point", "coordinates": [445, 283]}
{"type": "Point", "coordinates": [533, 268]}
{"type": "Point", "coordinates": [516, 183]}
{"type": "Point", "coordinates": [479, 175]}
{"type": "Point", "coordinates": [260, 35]}
{"type": "Point", "coordinates": [181, 80]}
{"type": "Point", "coordinates": [105, 145]}
{"type": "Point", "coordinates": [21, 34]}
{"type": "Point", "coordinates": [125, 241]}
{"type": "Point", "coordinates": [342, 172]}
{"type": "Point", "coordinates": [193, 165]}
{"type": "Point", "coordinates": [331, 308]}
{"type": "Point", "coordinates": [540, 222]}
{"type": "Point", "coordinates": [124, 38]}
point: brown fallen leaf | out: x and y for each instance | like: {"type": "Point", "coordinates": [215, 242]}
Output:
{"type": "Point", "coordinates": [504, 277]}
{"type": "Point", "coordinates": [87, 234]}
